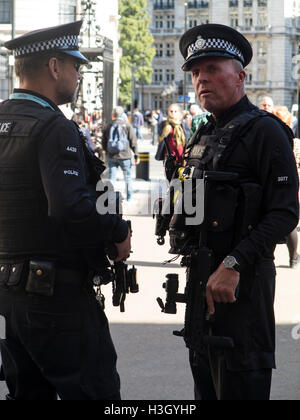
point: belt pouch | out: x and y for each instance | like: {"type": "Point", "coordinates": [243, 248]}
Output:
{"type": "Point", "coordinates": [15, 275]}
{"type": "Point", "coordinates": [4, 274]}
{"type": "Point", "coordinates": [41, 278]}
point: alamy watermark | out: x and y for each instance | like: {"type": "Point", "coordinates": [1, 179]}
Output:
{"type": "Point", "coordinates": [296, 332]}
{"type": "Point", "coordinates": [2, 327]}
{"type": "Point", "coordinates": [180, 198]}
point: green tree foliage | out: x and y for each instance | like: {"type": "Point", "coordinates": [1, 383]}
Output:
{"type": "Point", "coordinates": [136, 43]}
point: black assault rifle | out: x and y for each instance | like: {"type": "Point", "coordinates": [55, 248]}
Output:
{"type": "Point", "coordinates": [199, 262]}
{"type": "Point", "coordinates": [124, 280]}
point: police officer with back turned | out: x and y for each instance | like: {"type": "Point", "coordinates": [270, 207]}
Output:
{"type": "Point", "coordinates": [51, 236]}
{"type": "Point", "coordinates": [240, 139]}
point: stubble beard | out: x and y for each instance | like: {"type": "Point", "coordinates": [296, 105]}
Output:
{"type": "Point", "coordinates": [66, 97]}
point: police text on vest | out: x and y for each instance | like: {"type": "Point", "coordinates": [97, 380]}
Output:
{"type": "Point", "coordinates": [5, 127]}
{"type": "Point", "coordinates": [72, 149]}
{"type": "Point", "coordinates": [71, 172]}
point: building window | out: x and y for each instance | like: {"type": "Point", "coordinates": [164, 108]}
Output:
{"type": "Point", "coordinates": [262, 49]}
{"type": "Point", "coordinates": [204, 19]}
{"type": "Point", "coordinates": [67, 11]}
{"type": "Point", "coordinates": [262, 3]}
{"type": "Point", "coordinates": [4, 11]}
{"type": "Point", "coordinates": [170, 21]}
{"type": "Point", "coordinates": [170, 76]}
{"type": "Point", "coordinates": [249, 77]}
{"type": "Point", "coordinates": [157, 76]}
{"type": "Point", "coordinates": [157, 102]}
{"type": "Point", "coordinates": [159, 21]}
{"type": "Point", "coordinates": [170, 51]}
{"type": "Point", "coordinates": [198, 4]}
{"type": "Point", "coordinates": [248, 21]}
{"type": "Point", "coordinates": [192, 22]}
{"type": "Point", "coordinates": [233, 3]}
{"type": "Point", "coordinates": [262, 20]}
{"type": "Point", "coordinates": [248, 3]}
{"type": "Point", "coordinates": [159, 50]}
{"type": "Point", "coordinates": [234, 20]}
{"type": "Point", "coordinates": [161, 4]}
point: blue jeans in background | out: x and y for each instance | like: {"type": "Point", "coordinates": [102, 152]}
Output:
{"type": "Point", "coordinates": [138, 132]}
{"type": "Point", "coordinates": [125, 165]}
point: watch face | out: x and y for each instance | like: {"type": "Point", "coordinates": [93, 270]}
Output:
{"type": "Point", "coordinates": [230, 261]}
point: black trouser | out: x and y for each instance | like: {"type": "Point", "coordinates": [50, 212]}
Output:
{"type": "Point", "coordinates": [58, 345]}
{"type": "Point", "coordinates": [214, 382]}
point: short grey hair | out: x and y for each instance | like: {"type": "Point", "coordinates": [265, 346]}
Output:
{"type": "Point", "coordinates": [118, 112]}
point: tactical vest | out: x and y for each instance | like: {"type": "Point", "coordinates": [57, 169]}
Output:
{"type": "Point", "coordinates": [204, 149]}
{"type": "Point", "coordinates": [232, 210]}
{"type": "Point", "coordinates": [25, 228]}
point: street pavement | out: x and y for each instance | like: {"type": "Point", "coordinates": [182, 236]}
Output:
{"type": "Point", "coordinates": [152, 362]}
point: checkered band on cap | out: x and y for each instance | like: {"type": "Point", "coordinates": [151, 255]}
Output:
{"type": "Point", "coordinates": [67, 42]}
{"type": "Point", "coordinates": [213, 44]}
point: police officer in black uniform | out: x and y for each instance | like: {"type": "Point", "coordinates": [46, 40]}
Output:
{"type": "Point", "coordinates": [52, 239]}
{"type": "Point", "coordinates": [241, 139]}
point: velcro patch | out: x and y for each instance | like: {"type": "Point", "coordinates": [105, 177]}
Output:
{"type": "Point", "coordinates": [283, 179]}
{"type": "Point", "coordinates": [197, 151]}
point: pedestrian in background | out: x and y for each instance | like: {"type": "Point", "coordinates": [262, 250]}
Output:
{"type": "Point", "coordinates": [154, 126]}
{"type": "Point", "coordinates": [283, 113]}
{"type": "Point", "coordinates": [175, 131]}
{"type": "Point", "coordinates": [267, 104]}
{"type": "Point", "coordinates": [198, 117]}
{"type": "Point", "coordinates": [52, 239]}
{"type": "Point", "coordinates": [122, 159]}
{"type": "Point", "coordinates": [138, 123]}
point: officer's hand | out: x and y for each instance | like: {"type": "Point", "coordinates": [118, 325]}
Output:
{"type": "Point", "coordinates": [221, 287]}
{"type": "Point", "coordinates": [124, 248]}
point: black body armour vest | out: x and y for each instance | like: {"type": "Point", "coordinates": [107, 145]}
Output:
{"type": "Point", "coordinates": [207, 151]}
{"type": "Point", "coordinates": [25, 228]}
{"type": "Point", "coordinates": [229, 219]}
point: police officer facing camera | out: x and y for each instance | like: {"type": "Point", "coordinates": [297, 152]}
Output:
{"type": "Point", "coordinates": [239, 138]}
{"type": "Point", "coordinates": [51, 236]}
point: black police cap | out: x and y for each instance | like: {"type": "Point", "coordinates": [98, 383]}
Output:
{"type": "Point", "coordinates": [214, 40]}
{"type": "Point", "coordinates": [61, 38]}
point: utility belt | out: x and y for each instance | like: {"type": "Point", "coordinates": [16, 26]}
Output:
{"type": "Point", "coordinates": [39, 277]}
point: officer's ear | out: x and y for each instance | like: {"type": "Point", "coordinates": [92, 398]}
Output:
{"type": "Point", "coordinates": [242, 75]}
{"type": "Point", "coordinates": [54, 65]}
{"type": "Point", "coordinates": [239, 69]}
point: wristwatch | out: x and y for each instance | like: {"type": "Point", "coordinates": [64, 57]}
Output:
{"type": "Point", "coordinates": [231, 262]}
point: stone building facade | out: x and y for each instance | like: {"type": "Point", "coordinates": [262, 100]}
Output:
{"type": "Point", "coordinates": [271, 26]}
